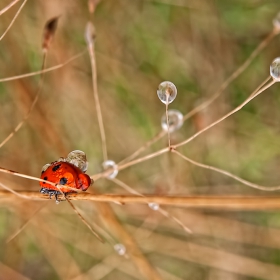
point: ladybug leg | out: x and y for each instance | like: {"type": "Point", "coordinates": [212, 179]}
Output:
{"type": "Point", "coordinates": [56, 198]}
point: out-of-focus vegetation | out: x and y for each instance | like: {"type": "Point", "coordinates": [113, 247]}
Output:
{"type": "Point", "coordinates": [194, 44]}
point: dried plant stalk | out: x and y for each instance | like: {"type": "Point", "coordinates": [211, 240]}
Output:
{"type": "Point", "coordinates": [215, 202]}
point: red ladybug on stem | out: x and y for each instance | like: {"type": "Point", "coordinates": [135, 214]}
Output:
{"type": "Point", "coordinates": [68, 172]}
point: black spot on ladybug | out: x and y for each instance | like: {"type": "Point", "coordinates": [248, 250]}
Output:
{"type": "Point", "coordinates": [63, 181]}
{"type": "Point", "coordinates": [56, 167]}
{"type": "Point", "coordinates": [45, 178]}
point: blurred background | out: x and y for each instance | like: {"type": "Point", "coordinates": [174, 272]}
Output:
{"type": "Point", "coordinates": [196, 45]}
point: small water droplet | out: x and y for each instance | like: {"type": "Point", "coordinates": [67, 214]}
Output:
{"type": "Point", "coordinates": [120, 249]}
{"type": "Point", "coordinates": [79, 159]}
{"type": "Point", "coordinates": [275, 69]}
{"type": "Point", "coordinates": [110, 164]}
{"type": "Point", "coordinates": [175, 118]}
{"type": "Point", "coordinates": [166, 89]}
{"type": "Point", "coordinates": [153, 206]}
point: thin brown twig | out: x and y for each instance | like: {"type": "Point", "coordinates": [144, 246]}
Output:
{"type": "Point", "coordinates": [84, 221]}
{"type": "Point", "coordinates": [8, 7]}
{"type": "Point", "coordinates": [167, 119]}
{"type": "Point", "coordinates": [226, 83]}
{"type": "Point", "coordinates": [215, 202]}
{"type": "Point", "coordinates": [174, 147]}
{"type": "Point", "coordinates": [42, 71]}
{"type": "Point", "coordinates": [105, 173]}
{"type": "Point", "coordinates": [13, 20]}
{"type": "Point", "coordinates": [224, 172]}
{"type": "Point", "coordinates": [234, 75]}
{"type": "Point", "coordinates": [91, 51]}
{"type": "Point", "coordinates": [225, 116]}
{"type": "Point", "coordinates": [260, 86]}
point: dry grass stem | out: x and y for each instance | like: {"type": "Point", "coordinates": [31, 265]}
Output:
{"type": "Point", "coordinates": [13, 20]}
{"type": "Point", "coordinates": [84, 221]}
{"type": "Point", "coordinates": [8, 7]}
{"type": "Point", "coordinates": [224, 172]}
{"type": "Point", "coordinates": [225, 116]}
{"type": "Point", "coordinates": [42, 71]}
{"type": "Point", "coordinates": [233, 76]}
{"type": "Point", "coordinates": [90, 42]}
{"type": "Point", "coordinates": [211, 202]}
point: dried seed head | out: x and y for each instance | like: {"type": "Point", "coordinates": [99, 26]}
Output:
{"type": "Point", "coordinates": [49, 30]}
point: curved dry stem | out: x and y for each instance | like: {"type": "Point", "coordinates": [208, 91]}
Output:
{"type": "Point", "coordinates": [167, 119]}
{"type": "Point", "coordinates": [17, 128]}
{"type": "Point", "coordinates": [162, 151]}
{"type": "Point", "coordinates": [233, 76]}
{"type": "Point", "coordinates": [224, 172]}
{"type": "Point", "coordinates": [226, 83]}
{"type": "Point", "coordinates": [8, 7]}
{"type": "Point", "coordinates": [84, 221]}
{"type": "Point", "coordinates": [104, 174]}
{"type": "Point", "coordinates": [260, 86]}
{"type": "Point", "coordinates": [211, 202]}
{"type": "Point", "coordinates": [13, 20]}
{"type": "Point", "coordinates": [42, 71]}
{"type": "Point", "coordinates": [225, 116]}
{"type": "Point", "coordinates": [96, 98]}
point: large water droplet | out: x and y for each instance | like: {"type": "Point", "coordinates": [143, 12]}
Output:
{"type": "Point", "coordinates": [110, 164]}
{"type": "Point", "coordinates": [175, 118]}
{"type": "Point", "coordinates": [166, 89]}
{"type": "Point", "coordinates": [79, 159]}
{"type": "Point", "coordinates": [275, 69]}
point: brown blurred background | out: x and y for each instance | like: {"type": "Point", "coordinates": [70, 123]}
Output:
{"type": "Point", "coordinates": [194, 44]}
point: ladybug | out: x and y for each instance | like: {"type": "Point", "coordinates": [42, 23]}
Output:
{"type": "Point", "coordinates": [66, 173]}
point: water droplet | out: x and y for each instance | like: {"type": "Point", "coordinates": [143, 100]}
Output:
{"type": "Point", "coordinates": [110, 164]}
{"type": "Point", "coordinates": [175, 118]}
{"type": "Point", "coordinates": [153, 206]}
{"type": "Point", "coordinates": [276, 22]}
{"type": "Point", "coordinates": [275, 69]}
{"type": "Point", "coordinates": [79, 159]}
{"type": "Point", "coordinates": [45, 167]}
{"type": "Point", "coordinates": [166, 89]}
{"type": "Point", "coordinates": [120, 249]}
